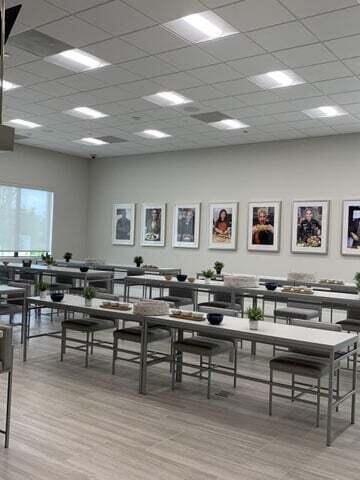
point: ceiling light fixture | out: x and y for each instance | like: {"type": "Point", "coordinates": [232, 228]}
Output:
{"type": "Point", "coordinates": [167, 99]}
{"type": "Point", "coordinates": [18, 122]}
{"type": "Point", "coordinates": [95, 142]}
{"type": "Point", "coordinates": [327, 111]}
{"type": "Point", "coordinates": [201, 27]}
{"type": "Point", "coordinates": [229, 124]}
{"type": "Point", "coordinates": [277, 79]}
{"type": "Point", "coordinates": [77, 60]}
{"type": "Point", "coordinates": [85, 113]}
{"type": "Point", "coordinates": [157, 134]}
{"type": "Point", "coordinates": [10, 86]}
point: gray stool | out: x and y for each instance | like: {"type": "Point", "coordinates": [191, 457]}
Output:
{"type": "Point", "coordinates": [202, 346]}
{"type": "Point", "coordinates": [87, 326]}
{"type": "Point", "coordinates": [297, 310]}
{"type": "Point", "coordinates": [6, 367]}
{"type": "Point", "coordinates": [133, 334]}
{"type": "Point", "coordinates": [306, 363]}
{"type": "Point", "coordinates": [178, 297]}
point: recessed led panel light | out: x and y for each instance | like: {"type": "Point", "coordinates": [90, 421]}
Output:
{"type": "Point", "coordinates": [94, 142]}
{"type": "Point", "coordinates": [167, 99]}
{"type": "Point", "coordinates": [77, 60]}
{"type": "Point", "coordinates": [153, 134]}
{"type": "Point", "coordinates": [201, 27]}
{"type": "Point", "coordinates": [18, 122]}
{"type": "Point", "coordinates": [327, 111]}
{"type": "Point", "coordinates": [277, 79]}
{"type": "Point", "coordinates": [229, 124]}
{"type": "Point", "coordinates": [9, 86]}
{"type": "Point", "coordinates": [86, 113]}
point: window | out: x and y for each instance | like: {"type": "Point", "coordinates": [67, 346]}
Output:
{"type": "Point", "coordinates": [26, 218]}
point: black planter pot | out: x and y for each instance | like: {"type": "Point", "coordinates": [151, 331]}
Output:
{"type": "Point", "coordinates": [138, 265]}
{"type": "Point", "coordinates": [218, 271]}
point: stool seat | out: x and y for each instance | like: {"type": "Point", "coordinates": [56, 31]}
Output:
{"type": "Point", "coordinates": [87, 325]}
{"type": "Point", "coordinates": [298, 364]}
{"type": "Point", "coordinates": [133, 334]}
{"type": "Point", "coordinates": [294, 312]}
{"type": "Point", "coordinates": [203, 346]}
{"type": "Point", "coordinates": [351, 325]}
{"type": "Point", "coordinates": [176, 301]}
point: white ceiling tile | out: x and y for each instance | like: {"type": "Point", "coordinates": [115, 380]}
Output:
{"type": "Point", "coordinates": [324, 71]}
{"type": "Point", "coordinates": [59, 105]}
{"type": "Point", "coordinates": [247, 16]}
{"type": "Point", "coordinates": [149, 67]}
{"type": "Point", "coordinates": [291, 117]}
{"type": "Point", "coordinates": [353, 64]}
{"type": "Point", "coordinates": [28, 95]}
{"type": "Point", "coordinates": [18, 56]}
{"type": "Point", "coordinates": [318, 131]}
{"type": "Point", "coordinates": [45, 69]}
{"type": "Point", "coordinates": [21, 77]}
{"type": "Point", "coordinates": [340, 85]}
{"type": "Point", "coordinates": [155, 40]}
{"type": "Point", "coordinates": [311, 102]}
{"type": "Point", "coordinates": [54, 88]}
{"type": "Point", "coordinates": [74, 31]}
{"type": "Point", "coordinates": [225, 103]}
{"type": "Point", "coordinates": [82, 82]}
{"type": "Point", "coordinates": [115, 51]}
{"type": "Point", "coordinates": [287, 35]}
{"type": "Point", "coordinates": [257, 65]}
{"type": "Point", "coordinates": [113, 75]}
{"type": "Point", "coordinates": [187, 58]}
{"type": "Point", "coordinates": [243, 112]}
{"type": "Point", "coordinates": [216, 3]}
{"type": "Point", "coordinates": [259, 98]}
{"type": "Point", "coordinates": [273, 108]}
{"type": "Point", "coordinates": [303, 56]}
{"type": "Point", "coordinates": [164, 11]}
{"type": "Point", "coordinates": [237, 87]}
{"type": "Point", "coordinates": [116, 18]}
{"type": "Point", "coordinates": [298, 91]}
{"type": "Point", "coordinates": [216, 73]}
{"type": "Point", "coordinates": [342, 120]}
{"type": "Point", "coordinates": [75, 5]}
{"type": "Point", "coordinates": [37, 12]}
{"type": "Point", "coordinates": [345, 47]}
{"type": "Point", "coordinates": [203, 92]}
{"type": "Point", "coordinates": [335, 24]}
{"type": "Point", "coordinates": [178, 81]}
{"type": "Point", "coordinates": [141, 88]}
{"type": "Point", "coordinates": [305, 8]}
{"type": "Point", "coordinates": [232, 47]}
{"type": "Point", "coordinates": [354, 109]}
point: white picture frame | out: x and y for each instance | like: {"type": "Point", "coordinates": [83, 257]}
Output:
{"type": "Point", "coordinates": [123, 224]}
{"type": "Point", "coordinates": [223, 225]}
{"type": "Point", "coordinates": [153, 224]}
{"type": "Point", "coordinates": [350, 245]}
{"type": "Point", "coordinates": [310, 224]}
{"type": "Point", "coordinates": [186, 225]}
{"type": "Point", "coordinates": [264, 220]}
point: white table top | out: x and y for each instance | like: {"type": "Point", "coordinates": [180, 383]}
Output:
{"type": "Point", "coordinates": [267, 332]}
{"type": "Point", "coordinates": [8, 289]}
{"type": "Point", "coordinates": [60, 270]}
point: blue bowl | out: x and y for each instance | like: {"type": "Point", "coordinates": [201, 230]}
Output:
{"type": "Point", "coordinates": [181, 278]}
{"type": "Point", "coordinates": [84, 269]}
{"type": "Point", "coordinates": [215, 318]}
{"type": "Point", "coordinates": [271, 286]}
{"type": "Point", "coordinates": [57, 296]}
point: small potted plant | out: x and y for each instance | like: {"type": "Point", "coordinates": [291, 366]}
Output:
{"type": "Point", "coordinates": [138, 261]}
{"type": "Point", "coordinates": [357, 281]}
{"type": "Point", "coordinates": [208, 275]}
{"type": "Point", "coordinates": [255, 315]}
{"type": "Point", "coordinates": [89, 294]}
{"type": "Point", "coordinates": [67, 256]}
{"type": "Point", "coordinates": [218, 267]}
{"type": "Point", "coordinates": [41, 287]}
{"type": "Point", "coordinates": [47, 259]}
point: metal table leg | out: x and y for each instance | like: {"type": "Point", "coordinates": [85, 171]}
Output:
{"type": "Point", "coordinates": [330, 401]}
{"type": "Point", "coordinates": [143, 357]}
{"type": "Point", "coordinates": [354, 379]}
{"type": "Point", "coordinates": [24, 331]}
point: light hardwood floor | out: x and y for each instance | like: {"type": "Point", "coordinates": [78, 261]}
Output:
{"type": "Point", "coordinates": [85, 424]}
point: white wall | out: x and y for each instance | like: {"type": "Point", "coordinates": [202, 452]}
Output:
{"type": "Point", "coordinates": [64, 175]}
{"type": "Point", "coordinates": [326, 168]}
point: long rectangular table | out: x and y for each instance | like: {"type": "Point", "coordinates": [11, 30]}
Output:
{"type": "Point", "coordinates": [318, 297]}
{"type": "Point", "coordinates": [6, 290]}
{"type": "Point", "coordinates": [120, 267]}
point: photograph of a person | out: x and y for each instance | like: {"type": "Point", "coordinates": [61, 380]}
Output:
{"type": "Point", "coordinates": [223, 226]}
{"type": "Point", "coordinates": [153, 225]}
{"type": "Point", "coordinates": [123, 224]}
{"type": "Point", "coordinates": [186, 225]}
{"type": "Point", "coordinates": [351, 228]}
{"type": "Point", "coordinates": [264, 223]}
{"type": "Point", "coordinates": [310, 227]}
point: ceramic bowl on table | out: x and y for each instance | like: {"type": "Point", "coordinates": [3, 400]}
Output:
{"type": "Point", "coordinates": [191, 279]}
{"type": "Point", "coordinates": [181, 277]}
{"type": "Point", "coordinates": [168, 277]}
{"type": "Point", "coordinates": [84, 269]}
{"type": "Point", "coordinates": [27, 263]}
{"type": "Point", "coordinates": [271, 286]}
{"type": "Point", "coordinates": [215, 318]}
{"type": "Point", "coordinates": [5, 263]}
{"type": "Point", "coordinates": [57, 296]}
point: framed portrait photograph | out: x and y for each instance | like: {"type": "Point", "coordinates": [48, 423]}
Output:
{"type": "Point", "coordinates": [223, 226]}
{"type": "Point", "coordinates": [186, 225]}
{"type": "Point", "coordinates": [153, 225]}
{"type": "Point", "coordinates": [350, 244]}
{"type": "Point", "coordinates": [310, 227]}
{"type": "Point", "coordinates": [123, 224]}
{"type": "Point", "coordinates": [264, 226]}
